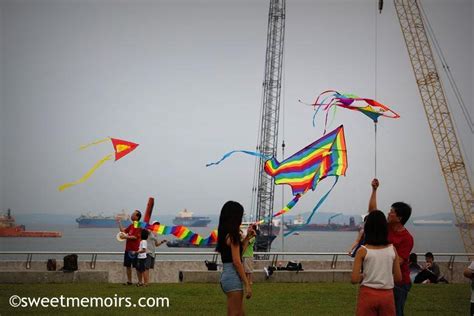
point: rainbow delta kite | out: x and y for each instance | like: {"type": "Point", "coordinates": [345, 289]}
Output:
{"type": "Point", "coordinates": [302, 171]}
{"type": "Point", "coordinates": [121, 148]}
{"type": "Point", "coordinates": [332, 99]}
{"type": "Point", "coordinates": [181, 232]}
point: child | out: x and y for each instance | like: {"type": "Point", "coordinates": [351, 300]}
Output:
{"type": "Point", "coordinates": [381, 269]}
{"type": "Point", "coordinates": [247, 255]}
{"type": "Point", "coordinates": [143, 260]}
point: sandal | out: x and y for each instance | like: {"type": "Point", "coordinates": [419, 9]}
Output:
{"type": "Point", "coordinates": [139, 284]}
{"type": "Point", "coordinates": [128, 283]}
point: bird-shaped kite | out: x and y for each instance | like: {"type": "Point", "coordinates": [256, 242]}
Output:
{"type": "Point", "coordinates": [303, 170]}
{"type": "Point", "coordinates": [333, 99]}
{"type": "Point", "coordinates": [121, 148]}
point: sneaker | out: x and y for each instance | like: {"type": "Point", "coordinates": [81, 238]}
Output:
{"type": "Point", "coordinates": [128, 283]}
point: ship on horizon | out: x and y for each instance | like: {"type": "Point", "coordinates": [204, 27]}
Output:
{"type": "Point", "coordinates": [8, 228]}
{"type": "Point", "coordinates": [298, 224]}
{"type": "Point", "coordinates": [186, 218]}
{"type": "Point", "coordinates": [435, 222]}
{"type": "Point", "coordinates": [90, 220]}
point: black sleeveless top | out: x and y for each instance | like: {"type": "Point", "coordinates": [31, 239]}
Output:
{"type": "Point", "coordinates": [226, 253]}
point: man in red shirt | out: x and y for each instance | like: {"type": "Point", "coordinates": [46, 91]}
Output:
{"type": "Point", "coordinates": [401, 239]}
{"type": "Point", "coordinates": [132, 235]}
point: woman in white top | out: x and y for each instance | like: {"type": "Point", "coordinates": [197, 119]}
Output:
{"type": "Point", "coordinates": [376, 267]}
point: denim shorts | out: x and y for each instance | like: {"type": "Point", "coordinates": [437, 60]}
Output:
{"type": "Point", "coordinates": [230, 279]}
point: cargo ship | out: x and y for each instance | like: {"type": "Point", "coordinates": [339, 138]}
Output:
{"type": "Point", "coordinates": [423, 222]}
{"type": "Point", "coordinates": [186, 218]}
{"type": "Point", "coordinates": [100, 221]}
{"type": "Point", "coordinates": [298, 224]}
{"type": "Point", "coordinates": [8, 228]}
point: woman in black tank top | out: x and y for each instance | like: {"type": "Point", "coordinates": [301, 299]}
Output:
{"type": "Point", "coordinates": [230, 245]}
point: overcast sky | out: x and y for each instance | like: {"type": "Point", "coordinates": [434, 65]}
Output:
{"type": "Point", "coordinates": [184, 80]}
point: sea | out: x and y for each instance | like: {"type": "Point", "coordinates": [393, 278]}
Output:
{"type": "Point", "coordinates": [437, 239]}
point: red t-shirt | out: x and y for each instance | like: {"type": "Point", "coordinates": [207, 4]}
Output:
{"type": "Point", "coordinates": [403, 243]}
{"type": "Point", "coordinates": [133, 244]}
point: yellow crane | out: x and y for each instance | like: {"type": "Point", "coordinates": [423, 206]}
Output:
{"type": "Point", "coordinates": [439, 118]}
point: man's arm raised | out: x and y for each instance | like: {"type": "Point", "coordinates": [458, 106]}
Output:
{"type": "Point", "coordinates": [373, 195]}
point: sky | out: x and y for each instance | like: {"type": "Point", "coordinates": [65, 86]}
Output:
{"type": "Point", "coordinates": [184, 80]}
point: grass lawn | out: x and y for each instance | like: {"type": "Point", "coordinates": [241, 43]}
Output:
{"type": "Point", "coordinates": [208, 299]}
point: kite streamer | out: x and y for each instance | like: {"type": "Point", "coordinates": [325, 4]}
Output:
{"type": "Point", "coordinates": [181, 232]}
{"type": "Point", "coordinates": [369, 107]}
{"type": "Point", "coordinates": [333, 99]}
{"type": "Point", "coordinates": [303, 170]}
{"type": "Point", "coordinates": [121, 148]}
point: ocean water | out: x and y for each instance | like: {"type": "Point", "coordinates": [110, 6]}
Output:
{"type": "Point", "coordinates": [427, 238]}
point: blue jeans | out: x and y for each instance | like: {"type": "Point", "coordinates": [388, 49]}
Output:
{"type": "Point", "coordinates": [401, 293]}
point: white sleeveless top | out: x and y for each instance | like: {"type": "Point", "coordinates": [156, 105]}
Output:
{"type": "Point", "coordinates": [378, 268]}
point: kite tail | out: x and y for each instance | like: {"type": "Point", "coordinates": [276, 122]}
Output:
{"type": "Point", "coordinates": [321, 201]}
{"type": "Point", "coordinates": [284, 210]}
{"type": "Point", "coordinates": [180, 232]}
{"type": "Point", "coordinates": [94, 143]}
{"type": "Point", "coordinates": [252, 153]}
{"type": "Point", "coordinates": [87, 174]}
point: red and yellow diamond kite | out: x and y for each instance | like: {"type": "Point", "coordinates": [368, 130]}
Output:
{"type": "Point", "coordinates": [121, 148]}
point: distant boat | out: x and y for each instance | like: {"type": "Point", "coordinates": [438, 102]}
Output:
{"type": "Point", "coordinates": [186, 218]}
{"type": "Point", "coordinates": [100, 221]}
{"type": "Point", "coordinates": [440, 222]}
{"type": "Point", "coordinates": [299, 225]}
{"type": "Point", "coordinates": [8, 228]}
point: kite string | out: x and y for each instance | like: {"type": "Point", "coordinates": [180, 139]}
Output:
{"type": "Point", "coordinates": [94, 143]}
{"type": "Point", "coordinates": [375, 148]}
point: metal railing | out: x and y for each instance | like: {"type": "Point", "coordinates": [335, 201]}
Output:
{"type": "Point", "coordinates": [273, 256]}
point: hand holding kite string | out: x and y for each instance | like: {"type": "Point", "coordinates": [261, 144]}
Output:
{"type": "Point", "coordinates": [121, 148]}
{"type": "Point", "coordinates": [303, 170]}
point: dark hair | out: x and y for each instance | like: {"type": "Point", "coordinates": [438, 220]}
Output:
{"type": "Point", "coordinates": [402, 210]}
{"type": "Point", "coordinates": [139, 214]}
{"type": "Point", "coordinates": [144, 234]}
{"type": "Point", "coordinates": [229, 224]}
{"type": "Point", "coordinates": [376, 229]}
{"type": "Point", "coordinates": [429, 255]}
{"type": "Point", "coordinates": [413, 258]}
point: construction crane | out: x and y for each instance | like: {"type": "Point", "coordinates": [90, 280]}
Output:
{"type": "Point", "coordinates": [268, 135]}
{"type": "Point", "coordinates": [335, 215]}
{"type": "Point", "coordinates": [439, 118]}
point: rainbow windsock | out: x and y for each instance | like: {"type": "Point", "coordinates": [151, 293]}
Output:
{"type": "Point", "coordinates": [180, 232]}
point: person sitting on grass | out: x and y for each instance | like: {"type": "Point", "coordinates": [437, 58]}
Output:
{"type": "Point", "coordinates": [381, 269]}
{"type": "Point", "coordinates": [430, 272]}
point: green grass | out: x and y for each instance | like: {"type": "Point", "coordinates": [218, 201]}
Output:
{"type": "Point", "coordinates": [208, 299]}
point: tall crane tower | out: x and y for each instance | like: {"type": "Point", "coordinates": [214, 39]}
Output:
{"type": "Point", "coordinates": [439, 119]}
{"type": "Point", "coordinates": [268, 135]}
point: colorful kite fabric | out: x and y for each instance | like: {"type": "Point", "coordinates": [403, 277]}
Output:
{"type": "Point", "coordinates": [181, 232]}
{"type": "Point", "coordinates": [369, 107]}
{"type": "Point", "coordinates": [325, 157]}
{"type": "Point", "coordinates": [121, 148]}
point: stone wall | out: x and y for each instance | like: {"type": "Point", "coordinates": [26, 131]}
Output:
{"type": "Point", "coordinates": [167, 271]}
